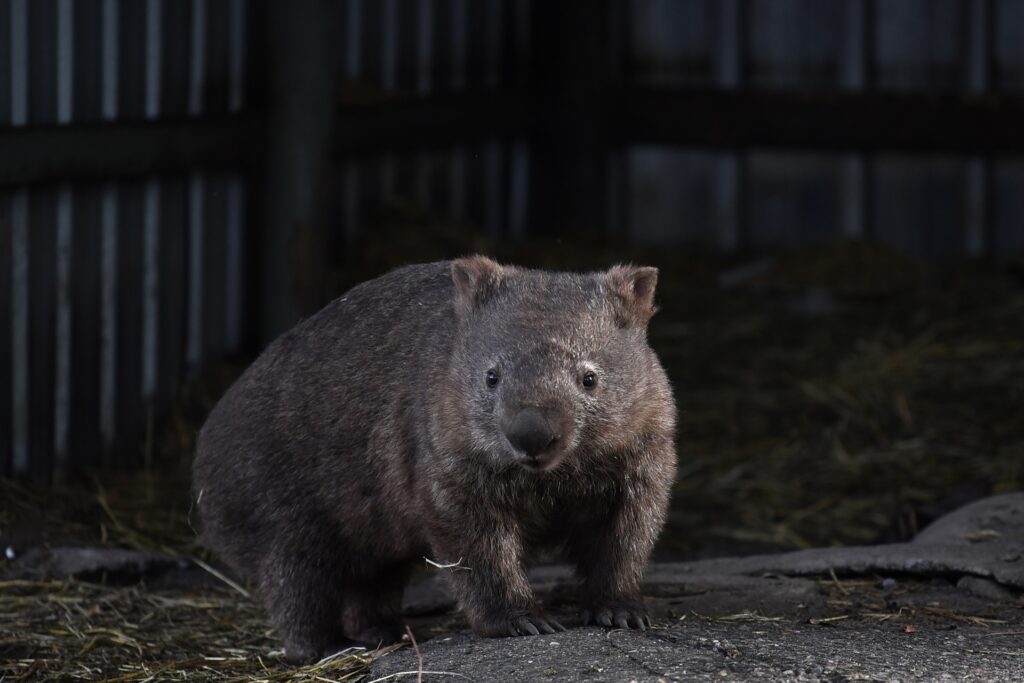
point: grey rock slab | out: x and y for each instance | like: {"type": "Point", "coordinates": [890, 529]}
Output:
{"type": "Point", "coordinates": [983, 539]}
{"type": "Point", "coordinates": [765, 626]}
{"type": "Point", "coordinates": [78, 562]}
{"type": "Point", "coordinates": [706, 651]}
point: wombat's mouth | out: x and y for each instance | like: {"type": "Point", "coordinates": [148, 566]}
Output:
{"type": "Point", "coordinates": [534, 464]}
{"type": "Point", "coordinates": [541, 462]}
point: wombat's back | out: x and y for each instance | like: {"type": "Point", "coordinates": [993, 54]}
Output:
{"type": "Point", "coordinates": [322, 415]}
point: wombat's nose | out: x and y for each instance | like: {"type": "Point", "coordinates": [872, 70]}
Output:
{"type": "Point", "coordinates": [530, 432]}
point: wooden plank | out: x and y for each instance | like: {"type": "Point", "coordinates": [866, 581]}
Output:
{"type": "Point", "coordinates": [298, 169]}
{"type": "Point", "coordinates": [131, 62]}
{"type": "Point", "coordinates": [42, 61]}
{"type": "Point", "coordinates": [214, 271]}
{"type": "Point", "coordinates": [85, 443]}
{"type": "Point", "coordinates": [571, 110]}
{"type": "Point", "coordinates": [823, 121]}
{"type": "Point", "coordinates": [6, 334]}
{"type": "Point", "coordinates": [475, 185]}
{"type": "Point", "coordinates": [829, 121]}
{"type": "Point", "coordinates": [18, 212]}
{"type": "Point", "coordinates": [476, 44]}
{"type": "Point", "coordinates": [18, 35]}
{"type": "Point", "coordinates": [407, 50]}
{"type": "Point", "coordinates": [174, 83]}
{"type": "Point", "coordinates": [234, 269]}
{"type": "Point", "coordinates": [1007, 238]}
{"type": "Point", "coordinates": [372, 32]}
{"type": "Point", "coordinates": [63, 296]}
{"type": "Point", "coordinates": [87, 30]}
{"type": "Point", "coordinates": [433, 123]}
{"type": "Point", "coordinates": [920, 204]}
{"type": "Point", "coordinates": [197, 197]}
{"type": "Point", "coordinates": [173, 286]}
{"type": "Point", "coordinates": [130, 409]}
{"type": "Point", "coordinates": [442, 62]}
{"type": "Point", "coordinates": [5, 63]}
{"type": "Point", "coordinates": [42, 295]}
{"type": "Point", "coordinates": [215, 81]}
{"type": "Point", "coordinates": [124, 149]}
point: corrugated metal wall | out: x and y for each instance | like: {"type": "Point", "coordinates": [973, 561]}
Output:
{"type": "Point", "coordinates": [111, 291]}
{"type": "Point", "coordinates": [931, 205]}
{"type": "Point", "coordinates": [436, 47]}
{"type": "Point", "coordinates": [725, 199]}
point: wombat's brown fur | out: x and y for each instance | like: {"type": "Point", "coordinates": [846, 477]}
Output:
{"type": "Point", "coordinates": [463, 411]}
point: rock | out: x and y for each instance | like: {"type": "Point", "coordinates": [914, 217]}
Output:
{"type": "Point", "coordinates": [92, 563]}
{"type": "Point", "coordinates": [985, 588]}
{"type": "Point", "coordinates": [705, 650]}
{"type": "Point", "coordinates": [976, 540]}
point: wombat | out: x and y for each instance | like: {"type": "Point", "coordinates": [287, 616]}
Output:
{"type": "Point", "coordinates": [466, 412]}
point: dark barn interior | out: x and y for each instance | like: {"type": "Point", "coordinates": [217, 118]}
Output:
{"type": "Point", "coordinates": [833, 191]}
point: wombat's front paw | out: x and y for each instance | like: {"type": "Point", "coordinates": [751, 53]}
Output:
{"type": "Point", "coordinates": [305, 652]}
{"type": "Point", "coordinates": [379, 635]}
{"type": "Point", "coordinates": [621, 614]}
{"type": "Point", "coordinates": [515, 623]}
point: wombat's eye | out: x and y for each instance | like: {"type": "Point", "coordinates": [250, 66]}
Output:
{"type": "Point", "coordinates": [492, 378]}
{"type": "Point", "coordinates": [588, 380]}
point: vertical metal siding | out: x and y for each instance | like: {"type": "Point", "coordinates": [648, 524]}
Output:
{"type": "Point", "coordinates": [672, 42]}
{"type": "Point", "coordinates": [1008, 25]}
{"type": "Point", "coordinates": [103, 291]}
{"type": "Point", "coordinates": [112, 292]}
{"type": "Point", "coordinates": [920, 204]}
{"type": "Point", "coordinates": [85, 445]}
{"type": "Point", "coordinates": [19, 358]}
{"type": "Point", "coordinates": [6, 335]}
{"type": "Point", "coordinates": [974, 47]}
{"type": "Point", "coordinates": [98, 284]}
{"type": "Point", "coordinates": [794, 199]}
{"type": "Point", "coordinates": [795, 42]}
{"type": "Point", "coordinates": [426, 47]}
{"type": "Point", "coordinates": [918, 44]}
{"type": "Point", "coordinates": [1008, 232]}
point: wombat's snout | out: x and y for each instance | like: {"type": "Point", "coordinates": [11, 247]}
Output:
{"type": "Point", "coordinates": [531, 432]}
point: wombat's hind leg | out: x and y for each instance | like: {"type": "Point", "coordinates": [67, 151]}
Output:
{"type": "Point", "coordinates": [305, 605]}
{"type": "Point", "coordinates": [372, 613]}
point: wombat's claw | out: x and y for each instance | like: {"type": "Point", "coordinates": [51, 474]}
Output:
{"type": "Point", "coordinates": [618, 617]}
{"type": "Point", "coordinates": [522, 623]}
{"type": "Point", "coordinates": [533, 626]}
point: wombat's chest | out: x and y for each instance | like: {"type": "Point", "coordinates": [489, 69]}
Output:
{"type": "Point", "coordinates": [548, 525]}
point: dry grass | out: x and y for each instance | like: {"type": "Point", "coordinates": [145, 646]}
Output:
{"type": "Point", "coordinates": [842, 428]}
{"type": "Point", "coordinates": [72, 630]}
{"type": "Point", "coordinates": [58, 630]}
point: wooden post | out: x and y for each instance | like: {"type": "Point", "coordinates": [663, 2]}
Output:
{"type": "Point", "coordinates": [299, 136]}
{"type": "Point", "coordinates": [570, 75]}
{"type": "Point", "coordinates": [977, 60]}
{"type": "Point", "coordinates": [853, 77]}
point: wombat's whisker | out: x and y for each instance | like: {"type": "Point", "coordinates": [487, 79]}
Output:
{"type": "Point", "coordinates": [457, 564]}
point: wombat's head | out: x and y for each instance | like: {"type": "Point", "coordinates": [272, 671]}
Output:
{"type": "Point", "coordinates": [551, 364]}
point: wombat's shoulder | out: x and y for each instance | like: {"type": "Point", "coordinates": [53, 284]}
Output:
{"type": "Point", "coordinates": [420, 281]}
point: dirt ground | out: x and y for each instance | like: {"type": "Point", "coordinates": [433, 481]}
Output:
{"type": "Point", "coordinates": [846, 395]}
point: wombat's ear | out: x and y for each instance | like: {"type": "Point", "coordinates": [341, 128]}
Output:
{"type": "Point", "coordinates": [632, 290]}
{"type": "Point", "coordinates": [475, 277]}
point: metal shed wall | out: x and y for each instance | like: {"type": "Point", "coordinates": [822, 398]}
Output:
{"type": "Point", "coordinates": [113, 289]}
